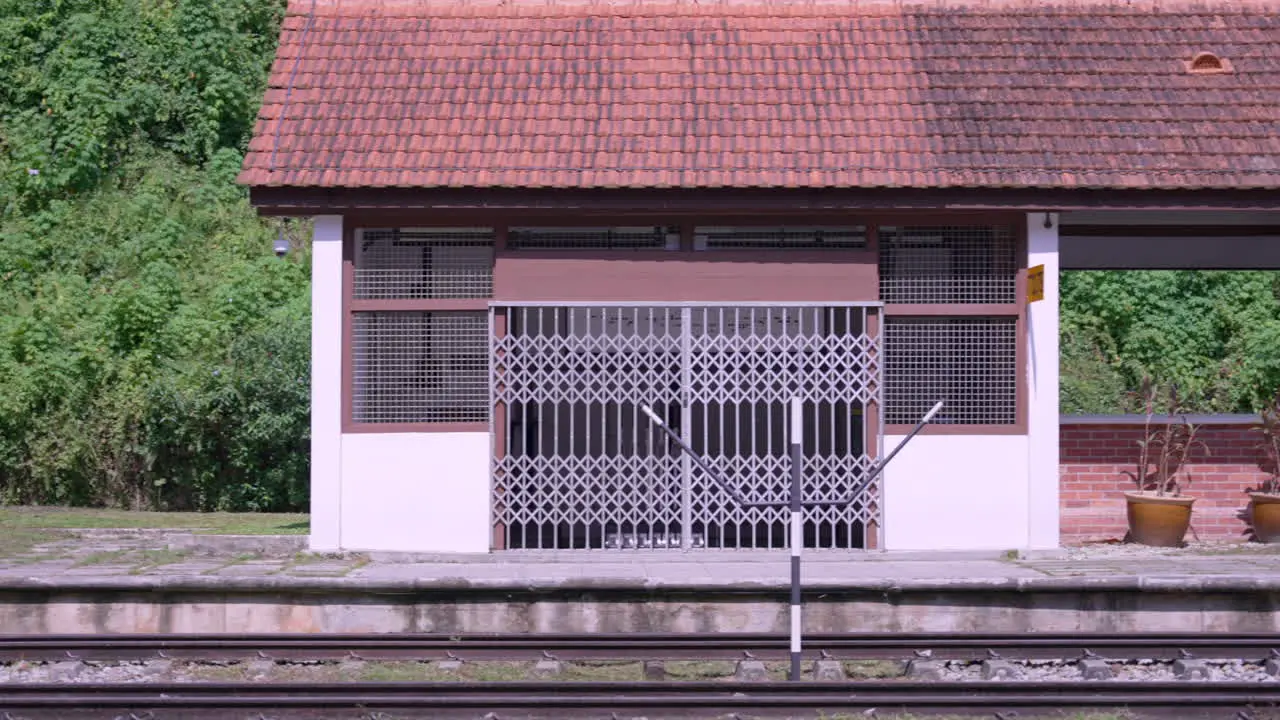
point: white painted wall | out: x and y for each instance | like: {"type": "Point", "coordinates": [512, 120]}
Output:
{"type": "Point", "coordinates": [956, 492]}
{"type": "Point", "coordinates": [326, 383]}
{"type": "Point", "coordinates": [1042, 388]}
{"type": "Point", "coordinates": [419, 492]}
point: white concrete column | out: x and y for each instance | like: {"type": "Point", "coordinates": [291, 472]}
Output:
{"type": "Point", "coordinates": [326, 383]}
{"type": "Point", "coordinates": [1042, 387]}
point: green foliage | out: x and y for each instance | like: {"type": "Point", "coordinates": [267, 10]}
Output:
{"type": "Point", "coordinates": [153, 350]}
{"type": "Point", "coordinates": [1214, 334]}
{"type": "Point", "coordinates": [82, 82]}
{"type": "Point", "coordinates": [155, 353]}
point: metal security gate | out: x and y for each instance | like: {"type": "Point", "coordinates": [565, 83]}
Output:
{"type": "Point", "coordinates": [577, 464]}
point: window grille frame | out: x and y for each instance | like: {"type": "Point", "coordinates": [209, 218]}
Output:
{"type": "Point", "coordinates": [703, 244]}
{"type": "Point", "coordinates": [1016, 309]}
{"type": "Point", "coordinates": [671, 234]}
{"type": "Point", "coordinates": [971, 360]}
{"type": "Point", "coordinates": [353, 307]}
{"type": "Point", "coordinates": [952, 264]}
{"type": "Point", "coordinates": [446, 267]}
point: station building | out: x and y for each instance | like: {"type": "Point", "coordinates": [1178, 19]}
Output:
{"type": "Point", "coordinates": [535, 218]}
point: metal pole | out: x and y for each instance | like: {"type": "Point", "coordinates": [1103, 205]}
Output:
{"type": "Point", "coordinates": [796, 502]}
{"type": "Point", "coordinates": [685, 402]}
{"type": "Point", "coordinates": [797, 529]}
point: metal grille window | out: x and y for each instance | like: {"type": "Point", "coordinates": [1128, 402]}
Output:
{"type": "Point", "coordinates": [412, 367]}
{"type": "Point", "coordinates": [447, 263]}
{"type": "Point", "coordinates": [597, 238]}
{"type": "Point", "coordinates": [780, 238]}
{"type": "Point", "coordinates": [969, 363]}
{"type": "Point", "coordinates": [948, 265]}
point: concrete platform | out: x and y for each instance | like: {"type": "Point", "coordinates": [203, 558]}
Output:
{"type": "Point", "coordinates": [174, 582]}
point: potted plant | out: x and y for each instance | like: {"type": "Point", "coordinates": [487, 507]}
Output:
{"type": "Point", "coordinates": [1159, 514]}
{"type": "Point", "coordinates": [1264, 502]}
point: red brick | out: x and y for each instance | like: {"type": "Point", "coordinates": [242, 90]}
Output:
{"type": "Point", "coordinates": [1092, 481]}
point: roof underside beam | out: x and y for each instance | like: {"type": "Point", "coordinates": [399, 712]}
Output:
{"type": "Point", "coordinates": [695, 201]}
{"type": "Point", "coordinates": [1170, 240]}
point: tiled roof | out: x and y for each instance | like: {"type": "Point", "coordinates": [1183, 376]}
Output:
{"type": "Point", "coordinates": [771, 93]}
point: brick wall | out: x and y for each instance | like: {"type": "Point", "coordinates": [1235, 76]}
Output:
{"type": "Point", "coordinates": [1094, 456]}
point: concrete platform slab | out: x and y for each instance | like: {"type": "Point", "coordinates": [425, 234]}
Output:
{"type": "Point", "coordinates": [201, 589]}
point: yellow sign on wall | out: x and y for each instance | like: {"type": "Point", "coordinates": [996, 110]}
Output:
{"type": "Point", "coordinates": [1035, 283]}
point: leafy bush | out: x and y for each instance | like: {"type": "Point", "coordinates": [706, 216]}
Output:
{"type": "Point", "coordinates": [153, 350]}
{"type": "Point", "coordinates": [1213, 334]}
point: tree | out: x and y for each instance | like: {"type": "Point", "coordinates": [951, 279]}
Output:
{"type": "Point", "coordinates": [1212, 333]}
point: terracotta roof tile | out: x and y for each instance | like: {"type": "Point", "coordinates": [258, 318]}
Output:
{"type": "Point", "coordinates": [769, 93]}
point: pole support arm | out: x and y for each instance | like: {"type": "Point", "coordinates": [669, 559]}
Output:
{"type": "Point", "coordinates": [742, 501]}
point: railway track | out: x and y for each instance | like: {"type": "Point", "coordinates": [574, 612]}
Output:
{"type": "Point", "coordinates": [694, 646]}
{"type": "Point", "coordinates": [702, 700]}
{"type": "Point", "coordinates": [512, 700]}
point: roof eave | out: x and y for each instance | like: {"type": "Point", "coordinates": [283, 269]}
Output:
{"type": "Point", "coordinates": [302, 201]}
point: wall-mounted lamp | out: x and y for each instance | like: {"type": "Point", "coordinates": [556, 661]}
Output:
{"type": "Point", "coordinates": [1048, 221]}
{"type": "Point", "coordinates": [281, 244]}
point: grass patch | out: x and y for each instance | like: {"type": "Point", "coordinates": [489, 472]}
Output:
{"type": "Point", "coordinates": [873, 669]}
{"type": "Point", "coordinates": [1065, 715]}
{"type": "Point", "coordinates": [19, 540]}
{"type": "Point", "coordinates": [700, 669]}
{"type": "Point", "coordinates": [102, 558]}
{"type": "Point", "coordinates": [18, 518]}
{"type": "Point", "coordinates": [622, 671]}
{"type": "Point", "coordinates": [497, 671]}
{"type": "Point", "coordinates": [306, 557]}
{"type": "Point", "coordinates": [148, 559]}
{"type": "Point", "coordinates": [235, 672]}
{"type": "Point", "coordinates": [409, 671]}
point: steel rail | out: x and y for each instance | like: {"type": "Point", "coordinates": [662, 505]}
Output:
{"type": "Point", "coordinates": [602, 698]}
{"type": "Point", "coordinates": [693, 646]}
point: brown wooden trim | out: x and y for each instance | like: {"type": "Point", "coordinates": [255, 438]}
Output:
{"type": "Point", "coordinates": [1022, 350]}
{"type": "Point", "coordinates": [669, 201]}
{"type": "Point", "coordinates": [953, 309]}
{"type": "Point", "coordinates": [571, 256]}
{"type": "Point", "coordinates": [1134, 231]}
{"type": "Point", "coordinates": [696, 277]}
{"type": "Point", "coordinates": [405, 217]}
{"type": "Point", "coordinates": [420, 305]}
{"type": "Point", "coordinates": [497, 488]}
{"type": "Point", "coordinates": [763, 255]}
{"type": "Point", "coordinates": [348, 356]}
{"type": "Point", "coordinates": [393, 219]}
{"type": "Point", "coordinates": [325, 200]}
{"type": "Point", "coordinates": [842, 218]}
{"type": "Point", "coordinates": [576, 220]}
{"type": "Point", "coordinates": [872, 535]}
{"type": "Point", "coordinates": [355, 428]}
{"type": "Point", "coordinates": [871, 437]}
{"type": "Point", "coordinates": [959, 429]}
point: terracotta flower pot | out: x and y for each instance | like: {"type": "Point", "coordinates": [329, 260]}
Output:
{"type": "Point", "coordinates": [1158, 521]}
{"type": "Point", "coordinates": [1264, 515]}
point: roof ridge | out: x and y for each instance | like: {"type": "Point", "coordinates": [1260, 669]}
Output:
{"type": "Point", "coordinates": [424, 8]}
